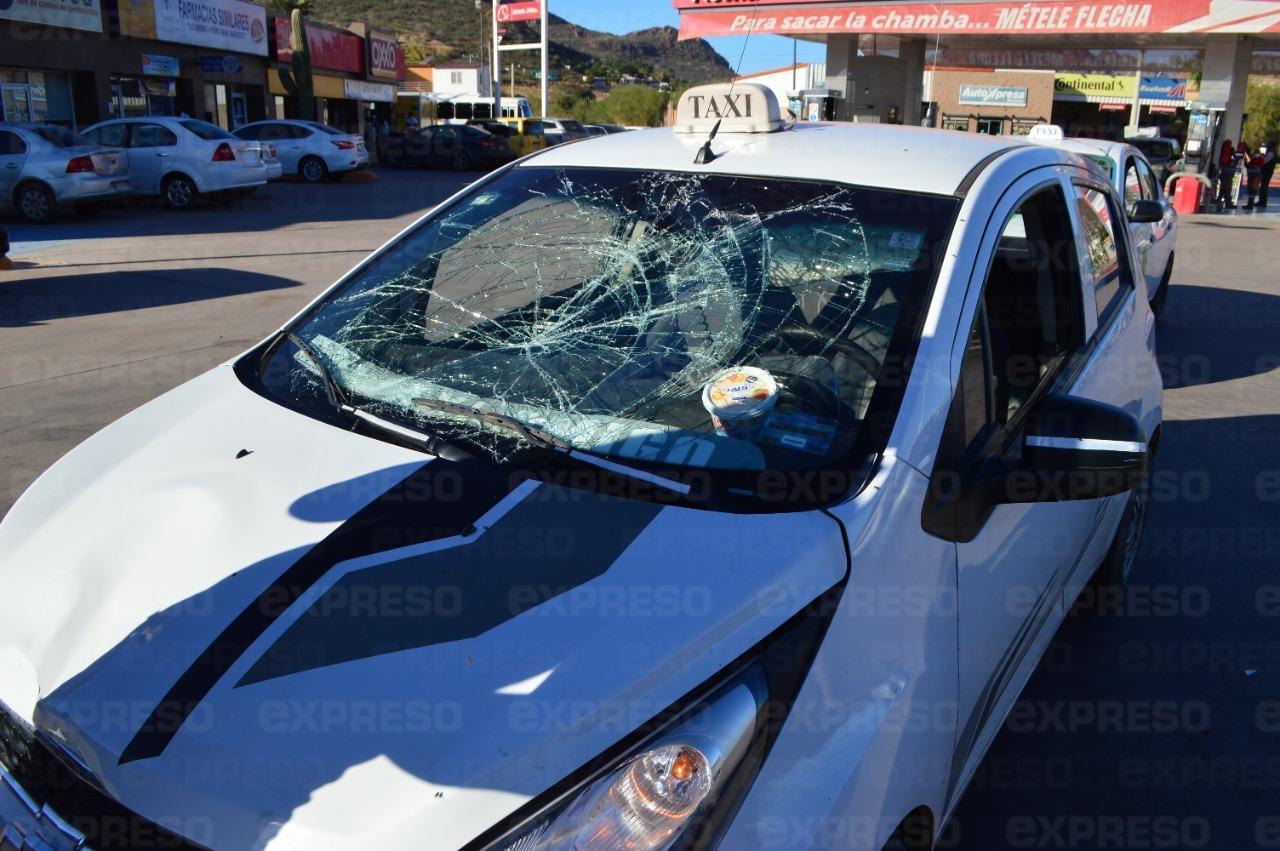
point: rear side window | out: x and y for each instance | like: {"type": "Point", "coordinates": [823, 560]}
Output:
{"type": "Point", "coordinates": [11, 143]}
{"type": "Point", "coordinates": [61, 136]}
{"type": "Point", "coordinates": [1099, 251]}
{"type": "Point", "coordinates": [115, 135]}
{"type": "Point", "coordinates": [293, 131]}
{"type": "Point", "coordinates": [252, 133]}
{"type": "Point", "coordinates": [205, 130]}
{"type": "Point", "coordinates": [152, 136]}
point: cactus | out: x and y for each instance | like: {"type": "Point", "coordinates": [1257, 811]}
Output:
{"type": "Point", "coordinates": [298, 82]}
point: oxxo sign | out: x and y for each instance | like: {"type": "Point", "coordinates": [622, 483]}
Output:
{"type": "Point", "coordinates": [739, 107]}
{"type": "Point", "coordinates": [382, 55]}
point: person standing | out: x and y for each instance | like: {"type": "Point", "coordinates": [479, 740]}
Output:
{"type": "Point", "coordinates": [1266, 170]}
{"type": "Point", "coordinates": [1226, 174]}
{"type": "Point", "coordinates": [1250, 162]}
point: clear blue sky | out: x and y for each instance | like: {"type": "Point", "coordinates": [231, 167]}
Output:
{"type": "Point", "coordinates": [762, 51]}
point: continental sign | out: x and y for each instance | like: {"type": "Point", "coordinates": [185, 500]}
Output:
{"type": "Point", "coordinates": [785, 17]}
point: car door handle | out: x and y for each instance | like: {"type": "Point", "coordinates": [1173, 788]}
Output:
{"type": "Point", "coordinates": [162, 153]}
{"type": "Point", "coordinates": [11, 165]}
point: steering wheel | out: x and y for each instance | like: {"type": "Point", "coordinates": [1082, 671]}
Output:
{"type": "Point", "coordinates": [804, 338]}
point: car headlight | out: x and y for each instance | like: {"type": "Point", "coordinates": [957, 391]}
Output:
{"type": "Point", "coordinates": [646, 800]}
{"type": "Point", "coordinates": [678, 783]}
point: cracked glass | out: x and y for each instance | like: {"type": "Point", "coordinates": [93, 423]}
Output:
{"type": "Point", "coordinates": [604, 307]}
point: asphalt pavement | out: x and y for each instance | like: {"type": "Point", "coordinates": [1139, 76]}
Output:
{"type": "Point", "coordinates": [1154, 720]}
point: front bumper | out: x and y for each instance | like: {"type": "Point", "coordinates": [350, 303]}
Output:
{"type": "Point", "coordinates": [28, 826]}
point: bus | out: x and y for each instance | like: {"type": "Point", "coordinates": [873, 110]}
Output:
{"type": "Point", "coordinates": [459, 109]}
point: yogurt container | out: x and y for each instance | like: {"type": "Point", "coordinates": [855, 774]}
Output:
{"type": "Point", "coordinates": [739, 399]}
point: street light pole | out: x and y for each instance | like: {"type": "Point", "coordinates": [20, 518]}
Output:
{"type": "Point", "coordinates": [545, 42]}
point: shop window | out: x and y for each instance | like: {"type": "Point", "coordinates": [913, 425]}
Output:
{"type": "Point", "coordinates": [960, 123]}
{"type": "Point", "coordinates": [991, 126]}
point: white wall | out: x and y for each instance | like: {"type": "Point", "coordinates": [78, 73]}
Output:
{"type": "Point", "coordinates": [460, 81]}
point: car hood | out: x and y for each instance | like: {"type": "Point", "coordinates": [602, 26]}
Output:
{"type": "Point", "coordinates": [266, 631]}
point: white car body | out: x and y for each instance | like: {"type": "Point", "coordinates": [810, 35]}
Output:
{"type": "Point", "coordinates": [146, 546]}
{"type": "Point", "coordinates": [160, 148]}
{"type": "Point", "coordinates": [28, 157]}
{"type": "Point", "coordinates": [1133, 177]}
{"type": "Point", "coordinates": [298, 142]}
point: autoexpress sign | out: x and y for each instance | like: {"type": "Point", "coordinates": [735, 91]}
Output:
{"type": "Point", "coordinates": [976, 95]}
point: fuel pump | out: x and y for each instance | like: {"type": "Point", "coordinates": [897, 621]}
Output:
{"type": "Point", "coordinates": [1203, 134]}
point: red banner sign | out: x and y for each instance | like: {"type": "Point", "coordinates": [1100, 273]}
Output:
{"type": "Point", "coordinates": [975, 17]}
{"type": "Point", "coordinates": [519, 10]}
{"type": "Point", "coordinates": [336, 51]}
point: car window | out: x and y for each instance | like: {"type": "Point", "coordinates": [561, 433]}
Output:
{"type": "Point", "coordinates": [606, 306]}
{"type": "Point", "coordinates": [11, 143]}
{"type": "Point", "coordinates": [253, 132]}
{"type": "Point", "coordinates": [1132, 183]}
{"type": "Point", "coordinates": [1099, 251]}
{"type": "Point", "coordinates": [296, 131]}
{"type": "Point", "coordinates": [1031, 301]}
{"type": "Point", "coordinates": [1150, 185]}
{"type": "Point", "coordinates": [325, 128]}
{"type": "Point", "coordinates": [975, 385]}
{"type": "Point", "coordinates": [151, 136]}
{"type": "Point", "coordinates": [61, 136]}
{"type": "Point", "coordinates": [114, 135]}
{"type": "Point", "coordinates": [448, 133]}
{"type": "Point", "coordinates": [205, 130]}
{"type": "Point", "coordinates": [534, 128]}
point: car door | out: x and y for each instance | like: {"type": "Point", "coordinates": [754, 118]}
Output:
{"type": "Point", "coordinates": [291, 143]}
{"type": "Point", "coordinates": [13, 153]}
{"type": "Point", "coordinates": [1027, 326]}
{"type": "Point", "coordinates": [1162, 232]}
{"type": "Point", "coordinates": [1140, 233]}
{"type": "Point", "coordinates": [153, 152]}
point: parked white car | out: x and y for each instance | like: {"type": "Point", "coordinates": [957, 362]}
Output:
{"type": "Point", "coordinates": [180, 159]}
{"type": "Point", "coordinates": [653, 491]}
{"type": "Point", "coordinates": [44, 167]}
{"type": "Point", "coordinates": [309, 149]}
{"type": "Point", "coordinates": [1135, 179]}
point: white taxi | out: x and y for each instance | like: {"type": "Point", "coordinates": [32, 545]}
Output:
{"type": "Point", "coordinates": [1153, 222]}
{"type": "Point", "coordinates": [707, 487]}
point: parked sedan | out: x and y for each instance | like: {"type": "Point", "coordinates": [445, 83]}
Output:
{"type": "Point", "coordinates": [309, 149]}
{"type": "Point", "coordinates": [44, 166]}
{"type": "Point", "coordinates": [1134, 179]}
{"type": "Point", "coordinates": [620, 502]}
{"type": "Point", "coordinates": [181, 159]}
{"type": "Point", "coordinates": [457, 146]}
{"type": "Point", "coordinates": [563, 130]}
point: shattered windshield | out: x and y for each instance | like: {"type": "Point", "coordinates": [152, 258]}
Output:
{"type": "Point", "coordinates": [690, 321]}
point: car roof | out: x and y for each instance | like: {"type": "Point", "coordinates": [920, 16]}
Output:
{"type": "Point", "coordinates": [1091, 147]}
{"type": "Point", "coordinates": [912, 159]}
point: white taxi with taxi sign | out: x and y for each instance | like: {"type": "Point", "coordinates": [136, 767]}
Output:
{"type": "Point", "coordinates": [645, 494]}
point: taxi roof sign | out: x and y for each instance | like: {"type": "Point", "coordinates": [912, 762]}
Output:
{"type": "Point", "coordinates": [739, 107]}
{"type": "Point", "coordinates": [1046, 133]}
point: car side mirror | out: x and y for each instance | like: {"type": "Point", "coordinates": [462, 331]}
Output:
{"type": "Point", "coordinates": [1073, 449]}
{"type": "Point", "coordinates": [1146, 211]}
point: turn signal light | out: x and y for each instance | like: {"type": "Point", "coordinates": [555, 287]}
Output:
{"type": "Point", "coordinates": [224, 154]}
{"type": "Point", "coordinates": [345, 146]}
{"type": "Point", "coordinates": [77, 165]}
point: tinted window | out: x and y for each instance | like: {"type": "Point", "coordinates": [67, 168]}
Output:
{"type": "Point", "coordinates": [975, 388]}
{"type": "Point", "coordinates": [205, 130]}
{"type": "Point", "coordinates": [573, 126]}
{"type": "Point", "coordinates": [325, 128]}
{"type": "Point", "coordinates": [1032, 300]}
{"type": "Point", "coordinates": [296, 131]}
{"type": "Point", "coordinates": [114, 135]}
{"type": "Point", "coordinates": [11, 143]}
{"type": "Point", "coordinates": [1100, 255]}
{"type": "Point", "coordinates": [253, 133]}
{"type": "Point", "coordinates": [61, 137]}
{"type": "Point", "coordinates": [151, 136]}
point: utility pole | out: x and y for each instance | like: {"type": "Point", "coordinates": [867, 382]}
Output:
{"type": "Point", "coordinates": [545, 43]}
{"type": "Point", "coordinates": [495, 69]}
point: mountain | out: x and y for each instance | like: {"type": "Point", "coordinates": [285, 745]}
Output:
{"type": "Point", "coordinates": [435, 30]}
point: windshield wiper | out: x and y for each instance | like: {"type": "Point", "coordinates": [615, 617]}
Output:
{"type": "Point", "coordinates": [541, 439]}
{"type": "Point", "coordinates": [356, 415]}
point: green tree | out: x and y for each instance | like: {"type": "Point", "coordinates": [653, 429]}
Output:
{"type": "Point", "coordinates": [636, 105]}
{"type": "Point", "coordinates": [1262, 105]}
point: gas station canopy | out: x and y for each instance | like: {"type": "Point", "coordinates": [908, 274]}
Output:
{"type": "Point", "coordinates": [974, 22]}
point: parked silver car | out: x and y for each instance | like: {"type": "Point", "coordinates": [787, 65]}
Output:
{"type": "Point", "coordinates": [44, 167]}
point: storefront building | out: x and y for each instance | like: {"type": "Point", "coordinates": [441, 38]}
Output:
{"type": "Point", "coordinates": [349, 86]}
{"type": "Point", "coordinates": [206, 59]}
{"type": "Point", "coordinates": [1101, 105]}
{"type": "Point", "coordinates": [986, 101]}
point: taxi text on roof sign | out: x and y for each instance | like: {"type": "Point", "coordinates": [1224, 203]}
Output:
{"type": "Point", "coordinates": [739, 107]}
